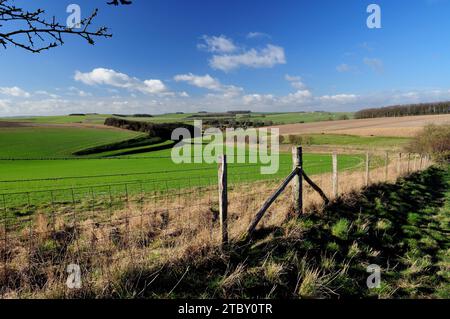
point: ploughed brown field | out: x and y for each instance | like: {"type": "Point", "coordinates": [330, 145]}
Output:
{"type": "Point", "coordinates": [8, 124]}
{"type": "Point", "coordinates": [389, 126]}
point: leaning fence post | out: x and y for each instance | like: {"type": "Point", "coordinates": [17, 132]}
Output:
{"type": "Point", "coordinates": [335, 175]}
{"type": "Point", "coordinates": [367, 168]}
{"type": "Point", "coordinates": [223, 199]}
{"type": "Point", "coordinates": [297, 161]}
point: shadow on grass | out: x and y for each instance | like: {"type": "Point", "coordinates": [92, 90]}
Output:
{"type": "Point", "coordinates": [323, 254]}
{"type": "Point", "coordinates": [148, 149]}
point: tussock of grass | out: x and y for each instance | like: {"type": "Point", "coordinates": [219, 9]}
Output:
{"type": "Point", "coordinates": [341, 229]}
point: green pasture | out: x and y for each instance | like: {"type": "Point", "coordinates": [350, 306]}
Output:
{"type": "Point", "coordinates": [45, 142]}
{"type": "Point", "coordinates": [32, 183]}
{"type": "Point", "coordinates": [352, 140]}
{"type": "Point", "coordinates": [300, 117]}
{"type": "Point", "coordinates": [37, 166]}
{"type": "Point", "coordinates": [19, 176]}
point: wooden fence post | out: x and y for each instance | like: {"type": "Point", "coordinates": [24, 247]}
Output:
{"type": "Point", "coordinates": [297, 162]}
{"type": "Point", "coordinates": [335, 175]}
{"type": "Point", "coordinates": [409, 162]}
{"type": "Point", "coordinates": [367, 169]}
{"type": "Point", "coordinates": [399, 164]}
{"type": "Point", "coordinates": [223, 199]}
{"type": "Point", "coordinates": [386, 172]}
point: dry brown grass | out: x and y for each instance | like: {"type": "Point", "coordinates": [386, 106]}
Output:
{"type": "Point", "coordinates": [162, 230]}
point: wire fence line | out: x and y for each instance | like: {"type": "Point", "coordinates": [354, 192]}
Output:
{"type": "Point", "coordinates": [146, 222]}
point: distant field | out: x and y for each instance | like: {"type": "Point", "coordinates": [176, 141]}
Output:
{"type": "Point", "coordinates": [46, 141]}
{"type": "Point", "coordinates": [64, 119]}
{"type": "Point", "coordinates": [390, 126]}
{"type": "Point", "coordinates": [288, 118]}
{"type": "Point", "coordinates": [276, 118]}
{"type": "Point", "coordinates": [353, 140]}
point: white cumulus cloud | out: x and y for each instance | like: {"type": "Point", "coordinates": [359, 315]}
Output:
{"type": "Point", "coordinates": [207, 82]}
{"type": "Point", "coordinates": [102, 76]}
{"type": "Point", "coordinates": [266, 57]}
{"type": "Point", "coordinates": [217, 44]}
{"type": "Point", "coordinates": [296, 82]}
{"type": "Point", "coordinates": [201, 81]}
{"type": "Point", "coordinates": [258, 99]}
{"type": "Point", "coordinates": [14, 91]}
{"type": "Point", "coordinates": [339, 98]}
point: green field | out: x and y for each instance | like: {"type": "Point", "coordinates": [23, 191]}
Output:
{"type": "Point", "coordinates": [53, 142]}
{"type": "Point", "coordinates": [276, 118]}
{"type": "Point", "coordinates": [352, 140]}
{"type": "Point", "coordinates": [300, 117]}
{"type": "Point", "coordinates": [156, 172]}
{"type": "Point", "coordinates": [38, 163]}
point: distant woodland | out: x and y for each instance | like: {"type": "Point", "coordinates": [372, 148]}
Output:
{"type": "Point", "coordinates": [405, 110]}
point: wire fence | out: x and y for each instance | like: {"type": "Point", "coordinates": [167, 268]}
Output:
{"type": "Point", "coordinates": [103, 228]}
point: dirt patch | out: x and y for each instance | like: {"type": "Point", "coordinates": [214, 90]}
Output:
{"type": "Point", "coordinates": [91, 126]}
{"type": "Point", "coordinates": [391, 126]}
{"type": "Point", "coordinates": [13, 124]}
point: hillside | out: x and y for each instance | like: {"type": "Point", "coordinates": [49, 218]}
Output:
{"type": "Point", "coordinates": [43, 141]}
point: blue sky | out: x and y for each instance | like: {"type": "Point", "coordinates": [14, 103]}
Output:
{"type": "Point", "coordinates": [168, 56]}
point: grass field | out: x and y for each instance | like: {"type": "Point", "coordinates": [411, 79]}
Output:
{"type": "Point", "coordinates": [154, 173]}
{"type": "Point", "coordinates": [136, 201]}
{"type": "Point", "coordinates": [297, 117]}
{"type": "Point", "coordinates": [353, 140]}
{"type": "Point", "coordinates": [53, 142]}
{"type": "Point", "coordinates": [276, 118]}
{"type": "Point", "coordinates": [38, 159]}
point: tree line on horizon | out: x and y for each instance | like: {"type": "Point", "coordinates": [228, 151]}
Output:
{"type": "Point", "coordinates": [405, 110]}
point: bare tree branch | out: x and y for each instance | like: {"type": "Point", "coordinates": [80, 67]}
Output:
{"type": "Point", "coordinates": [25, 28]}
